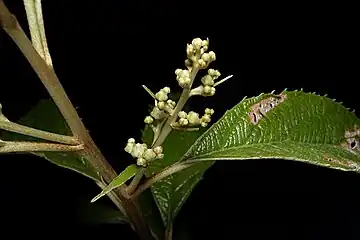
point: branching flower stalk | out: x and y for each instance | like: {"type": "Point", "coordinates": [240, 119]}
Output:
{"type": "Point", "coordinates": [168, 115]}
{"type": "Point", "coordinates": [47, 75]}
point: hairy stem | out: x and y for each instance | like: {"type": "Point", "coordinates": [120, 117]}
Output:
{"type": "Point", "coordinates": [51, 82]}
{"type": "Point", "coordinates": [10, 147]}
{"type": "Point", "coordinates": [54, 137]}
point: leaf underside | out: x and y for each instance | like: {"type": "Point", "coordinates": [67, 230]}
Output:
{"type": "Point", "coordinates": [171, 192]}
{"type": "Point", "coordinates": [46, 116]}
{"type": "Point", "coordinates": [304, 127]}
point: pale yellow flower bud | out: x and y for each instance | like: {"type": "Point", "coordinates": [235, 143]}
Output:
{"type": "Point", "coordinates": [149, 154]}
{"type": "Point", "coordinates": [148, 120]}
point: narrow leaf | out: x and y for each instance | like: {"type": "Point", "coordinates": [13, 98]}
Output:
{"type": "Point", "coordinates": [297, 126]}
{"type": "Point", "coordinates": [125, 175]}
{"type": "Point", "coordinates": [171, 192]}
{"type": "Point", "coordinates": [46, 116]}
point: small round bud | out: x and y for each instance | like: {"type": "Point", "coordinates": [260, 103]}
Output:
{"type": "Point", "coordinates": [141, 162]}
{"type": "Point", "coordinates": [129, 147]}
{"type": "Point", "coordinates": [205, 43]}
{"type": "Point", "coordinates": [171, 103]}
{"type": "Point", "coordinates": [161, 96]}
{"type": "Point", "coordinates": [212, 91]}
{"type": "Point", "coordinates": [149, 154]}
{"type": "Point", "coordinates": [197, 42]}
{"type": "Point", "coordinates": [178, 71]}
{"type": "Point", "coordinates": [182, 114]}
{"type": "Point", "coordinates": [166, 90]}
{"type": "Point", "coordinates": [207, 89]}
{"type": "Point", "coordinates": [138, 150]}
{"type": "Point", "coordinates": [131, 140]}
{"type": "Point", "coordinates": [206, 118]}
{"type": "Point", "coordinates": [183, 121]}
{"type": "Point", "coordinates": [184, 73]}
{"type": "Point", "coordinates": [187, 80]}
{"type": "Point", "coordinates": [193, 117]}
{"type": "Point", "coordinates": [182, 82]}
{"type": "Point", "coordinates": [158, 150]}
{"type": "Point", "coordinates": [161, 105]}
{"type": "Point", "coordinates": [209, 111]}
{"type": "Point", "coordinates": [207, 80]}
{"type": "Point", "coordinates": [204, 124]}
{"type": "Point", "coordinates": [212, 56]}
{"type": "Point", "coordinates": [205, 57]}
{"type": "Point", "coordinates": [201, 63]}
{"type": "Point", "coordinates": [190, 50]}
{"type": "Point", "coordinates": [148, 120]}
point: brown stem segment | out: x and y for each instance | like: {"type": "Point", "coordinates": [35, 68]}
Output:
{"type": "Point", "coordinates": [48, 77]}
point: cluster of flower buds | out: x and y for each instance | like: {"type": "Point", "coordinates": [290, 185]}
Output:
{"type": "Point", "coordinates": [163, 106]}
{"type": "Point", "coordinates": [192, 118]}
{"type": "Point", "coordinates": [208, 84]}
{"type": "Point", "coordinates": [143, 154]}
{"type": "Point", "coordinates": [197, 56]}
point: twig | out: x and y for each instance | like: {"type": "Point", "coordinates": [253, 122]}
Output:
{"type": "Point", "coordinates": [35, 19]}
{"type": "Point", "coordinates": [13, 146]}
{"type": "Point", "coordinates": [135, 181]}
{"type": "Point", "coordinates": [25, 130]}
{"type": "Point", "coordinates": [166, 129]}
{"type": "Point", "coordinates": [161, 175]}
{"type": "Point", "coordinates": [51, 82]}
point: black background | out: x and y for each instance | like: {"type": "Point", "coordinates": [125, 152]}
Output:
{"type": "Point", "coordinates": [103, 51]}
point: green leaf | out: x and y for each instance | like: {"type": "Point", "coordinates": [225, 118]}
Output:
{"type": "Point", "coordinates": [171, 192]}
{"type": "Point", "coordinates": [302, 127]}
{"type": "Point", "coordinates": [151, 214]}
{"type": "Point", "coordinates": [125, 175]}
{"type": "Point", "coordinates": [46, 116]}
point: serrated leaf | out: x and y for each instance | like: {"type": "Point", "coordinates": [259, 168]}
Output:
{"type": "Point", "coordinates": [303, 127]}
{"type": "Point", "coordinates": [125, 175]}
{"type": "Point", "coordinates": [171, 192]}
{"type": "Point", "coordinates": [46, 116]}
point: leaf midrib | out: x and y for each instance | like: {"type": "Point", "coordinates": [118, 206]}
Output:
{"type": "Point", "coordinates": [203, 156]}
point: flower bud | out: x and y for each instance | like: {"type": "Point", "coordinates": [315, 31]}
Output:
{"type": "Point", "coordinates": [207, 80]}
{"type": "Point", "coordinates": [193, 117]}
{"type": "Point", "coordinates": [183, 121]}
{"type": "Point", "coordinates": [138, 150]}
{"type": "Point", "coordinates": [197, 42]}
{"type": "Point", "coordinates": [149, 154]}
{"type": "Point", "coordinates": [212, 56]}
{"type": "Point", "coordinates": [148, 120]}
{"type": "Point", "coordinates": [141, 162]}
{"type": "Point", "coordinates": [202, 63]}
{"type": "Point", "coordinates": [206, 57]}
{"type": "Point", "coordinates": [158, 150]}
{"type": "Point", "coordinates": [160, 105]}
{"type": "Point", "coordinates": [206, 118]}
{"type": "Point", "coordinates": [161, 96]}
{"type": "Point", "coordinates": [182, 114]}
{"type": "Point", "coordinates": [209, 111]}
